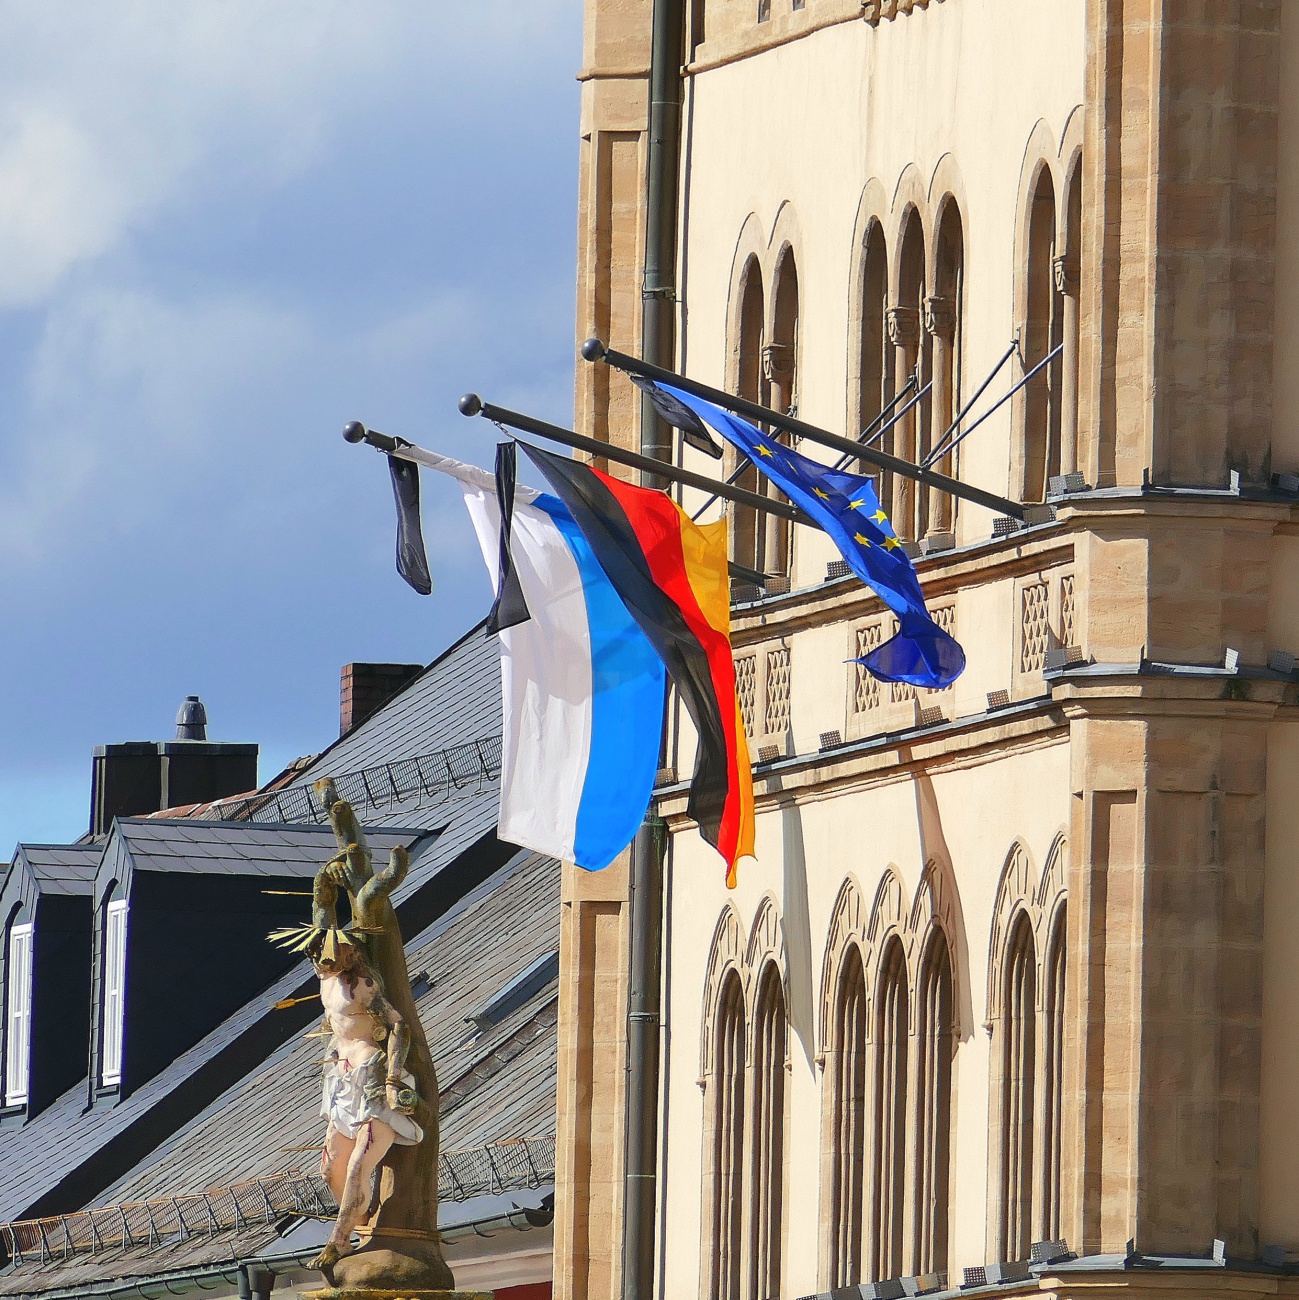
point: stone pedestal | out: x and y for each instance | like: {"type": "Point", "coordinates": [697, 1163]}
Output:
{"type": "Point", "coordinates": [364, 1293]}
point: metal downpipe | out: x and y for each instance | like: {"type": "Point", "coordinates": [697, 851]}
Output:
{"type": "Point", "coordinates": [658, 318]}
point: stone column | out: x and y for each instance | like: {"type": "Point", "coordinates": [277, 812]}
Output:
{"type": "Point", "coordinates": [778, 369]}
{"type": "Point", "coordinates": [1066, 285]}
{"type": "Point", "coordinates": [904, 334]}
{"type": "Point", "coordinates": [940, 322]}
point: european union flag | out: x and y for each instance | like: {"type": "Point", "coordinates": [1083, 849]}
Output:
{"type": "Point", "coordinates": [848, 508]}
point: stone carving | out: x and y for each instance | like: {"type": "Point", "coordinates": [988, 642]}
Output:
{"type": "Point", "coordinates": [903, 326]}
{"type": "Point", "coordinates": [1065, 270]}
{"type": "Point", "coordinates": [380, 1094]}
{"type": "Point", "coordinates": [778, 362]}
{"type": "Point", "coordinates": [940, 316]}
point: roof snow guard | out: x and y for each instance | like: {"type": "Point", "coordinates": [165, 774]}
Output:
{"type": "Point", "coordinates": [500, 1167]}
{"type": "Point", "coordinates": [426, 778]}
{"type": "Point", "coordinates": [169, 1220]}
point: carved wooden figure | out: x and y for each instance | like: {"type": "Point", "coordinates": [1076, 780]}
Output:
{"type": "Point", "coordinates": [381, 1093]}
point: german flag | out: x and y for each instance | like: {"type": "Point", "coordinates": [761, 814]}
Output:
{"type": "Point", "coordinates": [671, 574]}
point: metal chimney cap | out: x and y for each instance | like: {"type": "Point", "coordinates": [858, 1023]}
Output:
{"type": "Point", "coordinates": [191, 719]}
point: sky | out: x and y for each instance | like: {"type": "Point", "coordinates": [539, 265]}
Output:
{"type": "Point", "coordinates": [226, 229]}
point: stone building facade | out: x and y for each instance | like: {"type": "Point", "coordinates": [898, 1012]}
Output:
{"type": "Point", "coordinates": [1016, 960]}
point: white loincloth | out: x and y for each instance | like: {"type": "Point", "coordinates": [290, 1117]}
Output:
{"type": "Point", "coordinates": [347, 1106]}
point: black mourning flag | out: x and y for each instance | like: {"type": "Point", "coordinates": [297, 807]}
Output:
{"type": "Point", "coordinates": [509, 609]}
{"type": "Point", "coordinates": [412, 563]}
{"type": "Point", "coordinates": [676, 413]}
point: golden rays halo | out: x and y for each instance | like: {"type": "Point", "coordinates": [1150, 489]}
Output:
{"type": "Point", "coordinates": [323, 943]}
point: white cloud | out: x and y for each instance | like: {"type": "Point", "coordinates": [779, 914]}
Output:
{"type": "Point", "coordinates": [198, 285]}
{"type": "Point", "coordinates": [110, 113]}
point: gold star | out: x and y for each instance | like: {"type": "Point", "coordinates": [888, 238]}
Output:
{"type": "Point", "coordinates": [880, 517]}
{"type": "Point", "coordinates": [765, 451]}
{"type": "Point", "coordinates": [859, 538]}
{"type": "Point", "coordinates": [825, 496]}
{"type": "Point", "coordinates": [857, 505]}
{"type": "Point", "coordinates": [891, 543]}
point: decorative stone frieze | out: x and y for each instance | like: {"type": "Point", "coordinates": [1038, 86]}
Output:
{"type": "Point", "coordinates": [874, 10]}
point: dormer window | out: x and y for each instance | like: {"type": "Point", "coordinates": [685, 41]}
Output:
{"type": "Point", "coordinates": [18, 1014]}
{"type": "Point", "coordinates": [110, 1073]}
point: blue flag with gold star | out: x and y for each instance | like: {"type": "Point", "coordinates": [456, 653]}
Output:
{"type": "Point", "coordinates": [848, 508]}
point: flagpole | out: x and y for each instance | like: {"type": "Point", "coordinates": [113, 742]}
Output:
{"type": "Point", "coordinates": [594, 350]}
{"type": "Point", "coordinates": [471, 404]}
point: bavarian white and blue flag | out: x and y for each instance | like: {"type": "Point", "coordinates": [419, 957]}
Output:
{"type": "Point", "coordinates": [848, 508]}
{"type": "Point", "coordinates": [582, 688]}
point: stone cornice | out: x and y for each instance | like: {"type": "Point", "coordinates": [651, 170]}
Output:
{"type": "Point", "coordinates": [1030, 550]}
{"type": "Point", "coordinates": [843, 599]}
{"type": "Point", "coordinates": [614, 74]}
{"type": "Point", "coordinates": [781, 29]}
{"type": "Point", "coordinates": [992, 737]}
{"type": "Point", "coordinates": [886, 759]}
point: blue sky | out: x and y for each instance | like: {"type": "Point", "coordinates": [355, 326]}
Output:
{"type": "Point", "coordinates": [225, 230]}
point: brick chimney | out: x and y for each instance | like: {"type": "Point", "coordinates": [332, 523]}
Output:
{"type": "Point", "coordinates": [366, 688]}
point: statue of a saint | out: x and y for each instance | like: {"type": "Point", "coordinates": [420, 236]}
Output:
{"type": "Point", "coordinates": [380, 1094]}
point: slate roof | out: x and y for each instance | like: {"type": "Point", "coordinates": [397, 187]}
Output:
{"type": "Point", "coordinates": [495, 1086]}
{"type": "Point", "coordinates": [244, 848]}
{"type": "Point", "coordinates": [62, 868]}
{"type": "Point", "coordinates": [456, 698]}
{"type": "Point", "coordinates": [62, 1158]}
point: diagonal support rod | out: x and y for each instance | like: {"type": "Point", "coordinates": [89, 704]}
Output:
{"type": "Point", "coordinates": [883, 429]}
{"type": "Point", "coordinates": [996, 406]}
{"type": "Point", "coordinates": [593, 350]}
{"type": "Point", "coordinates": [941, 448]}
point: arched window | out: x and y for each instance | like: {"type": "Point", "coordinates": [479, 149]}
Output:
{"type": "Point", "coordinates": [849, 1120]}
{"type": "Point", "coordinates": [876, 362]}
{"type": "Point", "coordinates": [943, 332]}
{"type": "Point", "coordinates": [1043, 327]}
{"type": "Point", "coordinates": [768, 1196]}
{"type": "Point", "coordinates": [747, 537]}
{"type": "Point", "coordinates": [1052, 1080]}
{"type": "Point", "coordinates": [933, 1107]}
{"type": "Point", "coordinates": [728, 1142]}
{"type": "Point", "coordinates": [1019, 1044]}
{"type": "Point", "coordinates": [912, 356]}
{"type": "Point", "coordinates": [891, 1032]}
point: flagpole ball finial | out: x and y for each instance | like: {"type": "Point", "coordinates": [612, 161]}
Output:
{"type": "Point", "coordinates": [592, 350]}
{"type": "Point", "coordinates": [471, 404]}
{"type": "Point", "coordinates": [354, 431]}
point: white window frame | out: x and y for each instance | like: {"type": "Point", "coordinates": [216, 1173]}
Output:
{"type": "Point", "coordinates": [18, 1013]}
{"type": "Point", "coordinates": [114, 1000]}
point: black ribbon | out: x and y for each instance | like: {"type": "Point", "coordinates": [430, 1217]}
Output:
{"type": "Point", "coordinates": [509, 609]}
{"type": "Point", "coordinates": [675, 412]}
{"type": "Point", "coordinates": [412, 563]}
